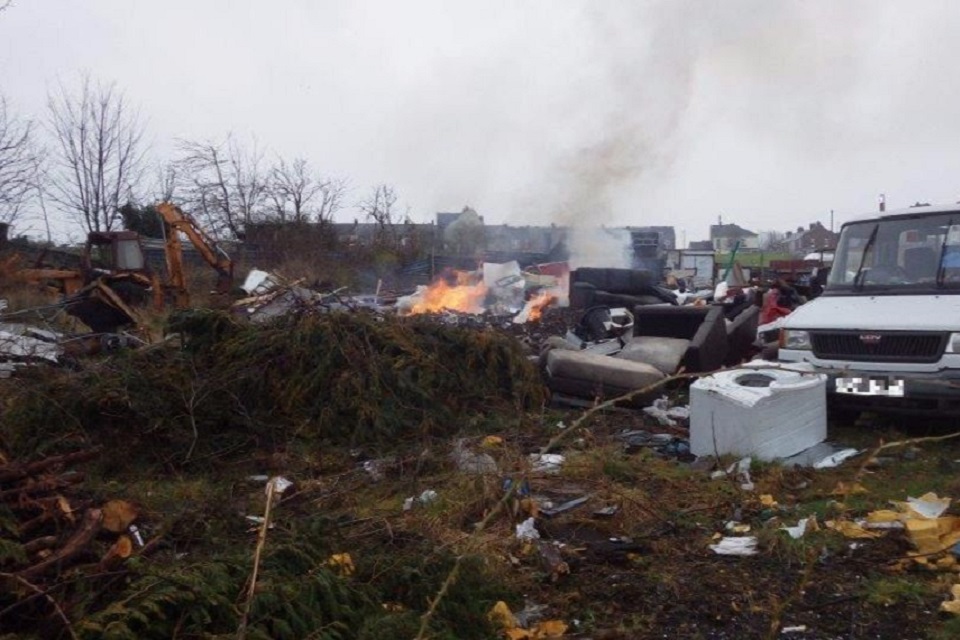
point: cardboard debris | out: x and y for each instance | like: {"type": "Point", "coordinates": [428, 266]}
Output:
{"type": "Point", "coordinates": [930, 532]}
{"type": "Point", "coordinates": [851, 529]}
{"type": "Point", "coordinates": [952, 606]}
{"type": "Point", "coordinates": [844, 489]}
{"type": "Point", "coordinates": [501, 616]}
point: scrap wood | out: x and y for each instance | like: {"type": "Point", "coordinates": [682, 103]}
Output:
{"type": "Point", "coordinates": [16, 470]}
{"type": "Point", "coordinates": [89, 527]}
{"type": "Point", "coordinates": [41, 486]}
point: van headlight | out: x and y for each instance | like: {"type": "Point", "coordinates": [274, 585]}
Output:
{"type": "Point", "coordinates": [794, 339]}
{"type": "Point", "coordinates": [953, 344]}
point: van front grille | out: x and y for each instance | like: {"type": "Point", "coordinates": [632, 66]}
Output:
{"type": "Point", "coordinates": [879, 346]}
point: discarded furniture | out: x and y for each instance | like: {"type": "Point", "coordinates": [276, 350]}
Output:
{"type": "Point", "coordinates": [590, 375]}
{"type": "Point", "coordinates": [665, 354]}
{"type": "Point", "coordinates": [704, 327]}
{"type": "Point", "coordinates": [758, 411]}
{"type": "Point", "coordinates": [741, 335]}
{"type": "Point", "coordinates": [592, 286]}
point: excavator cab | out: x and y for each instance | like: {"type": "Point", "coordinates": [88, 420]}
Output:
{"type": "Point", "coordinates": [115, 251]}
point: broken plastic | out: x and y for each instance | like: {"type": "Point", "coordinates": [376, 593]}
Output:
{"type": "Point", "coordinates": [278, 484]}
{"type": "Point", "coordinates": [665, 414]}
{"type": "Point", "coordinates": [800, 530]}
{"type": "Point", "coordinates": [546, 462]}
{"type": "Point", "coordinates": [527, 530]}
{"type": "Point", "coordinates": [835, 459]}
{"type": "Point", "coordinates": [738, 546]}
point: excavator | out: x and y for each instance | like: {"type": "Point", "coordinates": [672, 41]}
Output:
{"type": "Point", "coordinates": [113, 278]}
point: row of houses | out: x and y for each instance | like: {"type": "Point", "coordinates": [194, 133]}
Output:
{"type": "Point", "coordinates": [465, 233]}
{"type": "Point", "coordinates": [725, 237]}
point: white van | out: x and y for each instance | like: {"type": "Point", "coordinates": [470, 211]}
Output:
{"type": "Point", "coordinates": [887, 327]}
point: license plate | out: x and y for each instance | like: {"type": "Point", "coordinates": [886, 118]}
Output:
{"type": "Point", "coordinates": [871, 386]}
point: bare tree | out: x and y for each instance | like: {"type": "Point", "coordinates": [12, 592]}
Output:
{"type": "Point", "coordinates": [225, 185]}
{"type": "Point", "coordinates": [168, 179]}
{"type": "Point", "coordinates": [98, 153]}
{"type": "Point", "coordinates": [17, 163]}
{"type": "Point", "coordinates": [772, 240]}
{"type": "Point", "coordinates": [380, 208]}
{"type": "Point", "coordinates": [298, 194]}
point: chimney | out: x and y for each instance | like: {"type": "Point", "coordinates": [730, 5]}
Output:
{"type": "Point", "coordinates": [883, 202]}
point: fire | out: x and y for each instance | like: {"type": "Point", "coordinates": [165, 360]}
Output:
{"type": "Point", "coordinates": [538, 304]}
{"type": "Point", "coordinates": [466, 296]}
{"type": "Point", "coordinates": [533, 309]}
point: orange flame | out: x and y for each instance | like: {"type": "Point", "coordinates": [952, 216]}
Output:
{"type": "Point", "coordinates": [538, 304]}
{"type": "Point", "coordinates": [465, 296]}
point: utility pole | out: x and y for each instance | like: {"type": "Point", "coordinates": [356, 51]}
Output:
{"type": "Point", "coordinates": [831, 220]}
{"type": "Point", "coordinates": [883, 202]}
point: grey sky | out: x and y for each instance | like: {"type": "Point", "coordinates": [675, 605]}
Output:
{"type": "Point", "coordinates": [769, 112]}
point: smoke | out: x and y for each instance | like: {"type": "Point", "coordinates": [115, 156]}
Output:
{"type": "Point", "coordinates": [599, 247]}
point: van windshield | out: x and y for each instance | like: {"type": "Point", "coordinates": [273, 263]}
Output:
{"type": "Point", "coordinates": [889, 255]}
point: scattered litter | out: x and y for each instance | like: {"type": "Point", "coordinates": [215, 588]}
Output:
{"type": "Point", "coordinates": [800, 628]}
{"type": "Point", "coordinates": [564, 507]}
{"type": "Point", "coordinates": [803, 525]}
{"type": "Point", "coordinates": [501, 616]}
{"type": "Point", "coordinates": [527, 530]}
{"type": "Point", "coordinates": [492, 441]}
{"type": "Point", "coordinates": [428, 496]}
{"type": "Point", "coordinates": [738, 546]}
{"type": "Point", "coordinates": [852, 489]}
{"type": "Point", "coordinates": [952, 606]}
{"type": "Point", "coordinates": [741, 470]}
{"type": "Point", "coordinates": [522, 491]}
{"type": "Point", "coordinates": [260, 478]}
{"type": "Point", "coordinates": [665, 414]}
{"type": "Point", "coordinates": [258, 520]}
{"type": "Point", "coordinates": [926, 506]}
{"type": "Point", "coordinates": [278, 484]}
{"type": "Point", "coordinates": [768, 501]}
{"type": "Point", "coordinates": [850, 529]}
{"type": "Point", "coordinates": [475, 463]}
{"type": "Point", "coordinates": [836, 459]}
{"type": "Point", "coordinates": [137, 537]}
{"type": "Point", "coordinates": [606, 512]}
{"type": "Point", "coordinates": [546, 462]}
{"type": "Point", "coordinates": [522, 626]}
{"type": "Point", "coordinates": [342, 563]}
{"type": "Point", "coordinates": [374, 469]}
{"type": "Point", "coordinates": [530, 614]}
{"type": "Point", "coordinates": [737, 527]}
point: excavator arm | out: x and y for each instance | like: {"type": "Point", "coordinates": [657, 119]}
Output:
{"type": "Point", "coordinates": [175, 222]}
